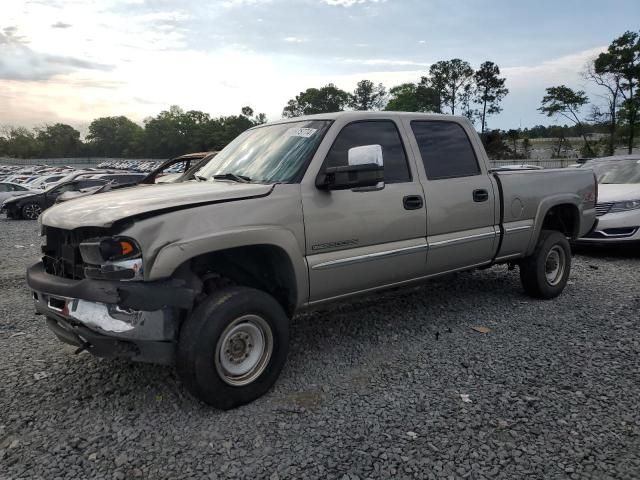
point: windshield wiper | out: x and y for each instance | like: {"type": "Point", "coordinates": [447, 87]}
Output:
{"type": "Point", "coordinates": [200, 178]}
{"type": "Point", "coordinates": [233, 177]}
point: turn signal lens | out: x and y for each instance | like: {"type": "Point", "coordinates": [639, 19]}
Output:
{"type": "Point", "coordinates": [100, 250]}
{"type": "Point", "coordinates": [126, 247]}
{"type": "Point", "coordinates": [118, 248]}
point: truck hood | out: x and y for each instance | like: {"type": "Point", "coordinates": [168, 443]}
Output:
{"type": "Point", "coordinates": [103, 209]}
{"type": "Point", "coordinates": [618, 192]}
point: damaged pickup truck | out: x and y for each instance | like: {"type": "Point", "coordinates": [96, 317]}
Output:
{"type": "Point", "coordinates": [208, 273]}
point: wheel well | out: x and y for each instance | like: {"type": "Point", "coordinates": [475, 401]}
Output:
{"type": "Point", "coordinates": [563, 218]}
{"type": "Point", "coordinates": [264, 267]}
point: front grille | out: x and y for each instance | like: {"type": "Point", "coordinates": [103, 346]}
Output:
{"type": "Point", "coordinates": [61, 251]}
{"type": "Point", "coordinates": [603, 208]}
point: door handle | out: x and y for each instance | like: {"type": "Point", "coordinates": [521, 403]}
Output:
{"type": "Point", "coordinates": [412, 202]}
{"type": "Point", "coordinates": [480, 195]}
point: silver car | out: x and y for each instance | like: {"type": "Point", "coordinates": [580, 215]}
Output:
{"type": "Point", "coordinates": [618, 207]}
{"type": "Point", "coordinates": [10, 190]}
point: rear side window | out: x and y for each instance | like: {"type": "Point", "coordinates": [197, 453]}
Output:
{"type": "Point", "coordinates": [383, 133]}
{"type": "Point", "coordinates": [445, 149]}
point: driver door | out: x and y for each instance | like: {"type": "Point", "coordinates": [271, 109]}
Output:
{"type": "Point", "coordinates": [361, 239]}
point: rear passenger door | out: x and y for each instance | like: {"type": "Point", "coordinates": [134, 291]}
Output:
{"type": "Point", "coordinates": [365, 238]}
{"type": "Point", "coordinates": [460, 198]}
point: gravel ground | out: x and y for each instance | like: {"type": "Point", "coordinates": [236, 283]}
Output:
{"type": "Point", "coordinates": [372, 389]}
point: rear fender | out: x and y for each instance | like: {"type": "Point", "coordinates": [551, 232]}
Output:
{"type": "Point", "coordinates": [545, 206]}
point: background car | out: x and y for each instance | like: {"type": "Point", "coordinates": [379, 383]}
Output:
{"type": "Point", "coordinates": [618, 207]}
{"type": "Point", "coordinates": [178, 168]}
{"type": "Point", "coordinates": [31, 206]}
{"type": "Point", "coordinates": [9, 190]}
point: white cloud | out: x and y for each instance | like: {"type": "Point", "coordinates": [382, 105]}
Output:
{"type": "Point", "coordinates": [155, 64]}
{"type": "Point", "coordinates": [294, 40]}
{"type": "Point", "coordinates": [384, 62]}
{"type": "Point", "coordinates": [350, 3]}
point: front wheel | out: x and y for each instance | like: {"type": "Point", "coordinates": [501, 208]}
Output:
{"type": "Point", "coordinates": [544, 274]}
{"type": "Point", "coordinates": [31, 211]}
{"type": "Point", "coordinates": [233, 346]}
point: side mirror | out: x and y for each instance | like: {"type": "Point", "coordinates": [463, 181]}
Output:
{"type": "Point", "coordinates": [364, 170]}
{"type": "Point", "coordinates": [364, 155]}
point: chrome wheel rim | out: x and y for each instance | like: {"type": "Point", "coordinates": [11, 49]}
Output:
{"type": "Point", "coordinates": [32, 211]}
{"type": "Point", "coordinates": [554, 265]}
{"type": "Point", "coordinates": [243, 350]}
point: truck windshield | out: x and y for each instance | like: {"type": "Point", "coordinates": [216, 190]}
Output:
{"type": "Point", "coordinates": [276, 153]}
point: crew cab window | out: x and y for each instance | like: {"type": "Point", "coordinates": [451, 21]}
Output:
{"type": "Point", "coordinates": [445, 150]}
{"type": "Point", "coordinates": [383, 133]}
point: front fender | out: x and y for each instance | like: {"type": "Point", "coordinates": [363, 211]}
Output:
{"type": "Point", "coordinates": [174, 254]}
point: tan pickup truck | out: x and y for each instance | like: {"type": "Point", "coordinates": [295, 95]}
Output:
{"type": "Point", "coordinates": [208, 273]}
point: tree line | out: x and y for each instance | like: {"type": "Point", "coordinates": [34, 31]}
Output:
{"type": "Point", "coordinates": [450, 86]}
{"type": "Point", "coordinates": [616, 73]}
{"type": "Point", "coordinates": [172, 132]}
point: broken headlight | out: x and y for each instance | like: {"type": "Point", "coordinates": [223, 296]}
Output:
{"type": "Point", "coordinates": [115, 258]}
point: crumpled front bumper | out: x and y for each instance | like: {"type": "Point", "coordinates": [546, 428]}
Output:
{"type": "Point", "coordinates": [135, 320]}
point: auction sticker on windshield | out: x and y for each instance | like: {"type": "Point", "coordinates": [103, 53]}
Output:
{"type": "Point", "coordinates": [300, 132]}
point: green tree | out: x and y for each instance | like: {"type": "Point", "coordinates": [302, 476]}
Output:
{"type": "Point", "coordinates": [514, 135]}
{"type": "Point", "coordinates": [114, 137]}
{"type": "Point", "coordinates": [258, 119]}
{"type": "Point", "coordinates": [495, 146]}
{"type": "Point", "coordinates": [526, 147]}
{"type": "Point", "coordinates": [466, 100]}
{"type": "Point", "coordinates": [489, 91]}
{"type": "Point", "coordinates": [20, 142]}
{"type": "Point", "coordinates": [449, 78]}
{"type": "Point", "coordinates": [403, 98]}
{"type": "Point", "coordinates": [611, 84]}
{"type": "Point", "coordinates": [317, 100]}
{"type": "Point", "coordinates": [561, 143]}
{"type": "Point", "coordinates": [409, 97]}
{"type": "Point", "coordinates": [564, 101]}
{"type": "Point", "coordinates": [225, 129]}
{"type": "Point", "coordinates": [59, 140]}
{"type": "Point", "coordinates": [368, 96]}
{"type": "Point", "coordinates": [623, 58]}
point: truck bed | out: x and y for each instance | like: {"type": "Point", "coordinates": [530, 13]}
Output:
{"type": "Point", "coordinates": [526, 196]}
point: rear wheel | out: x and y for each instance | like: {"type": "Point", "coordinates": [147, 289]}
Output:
{"type": "Point", "coordinates": [233, 346]}
{"type": "Point", "coordinates": [545, 273]}
{"type": "Point", "coordinates": [31, 211]}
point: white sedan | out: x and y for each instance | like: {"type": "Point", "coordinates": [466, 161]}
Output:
{"type": "Point", "coordinates": [618, 207]}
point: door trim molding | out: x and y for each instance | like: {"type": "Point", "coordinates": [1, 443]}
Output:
{"type": "Point", "coordinates": [465, 239]}
{"type": "Point", "coordinates": [370, 256]}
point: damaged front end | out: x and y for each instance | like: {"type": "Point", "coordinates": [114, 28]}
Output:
{"type": "Point", "coordinates": [89, 287]}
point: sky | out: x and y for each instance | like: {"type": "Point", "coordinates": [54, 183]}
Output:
{"type": "Point", "coordinates": [72, 61]}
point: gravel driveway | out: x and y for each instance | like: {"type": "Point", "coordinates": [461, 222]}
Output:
{"type": "Point", "coordinates": [393, 386]}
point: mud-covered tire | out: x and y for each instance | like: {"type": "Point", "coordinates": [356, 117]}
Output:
{"type": "Point", "coordinates": [31, 211]}
{"type": "Point", "coordinates": [544, 274]}
{"type": "Point", "coordinates": [219, 341]}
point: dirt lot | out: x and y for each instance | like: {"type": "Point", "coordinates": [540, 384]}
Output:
{"type": "Point", "coordinates": [393, 386]}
